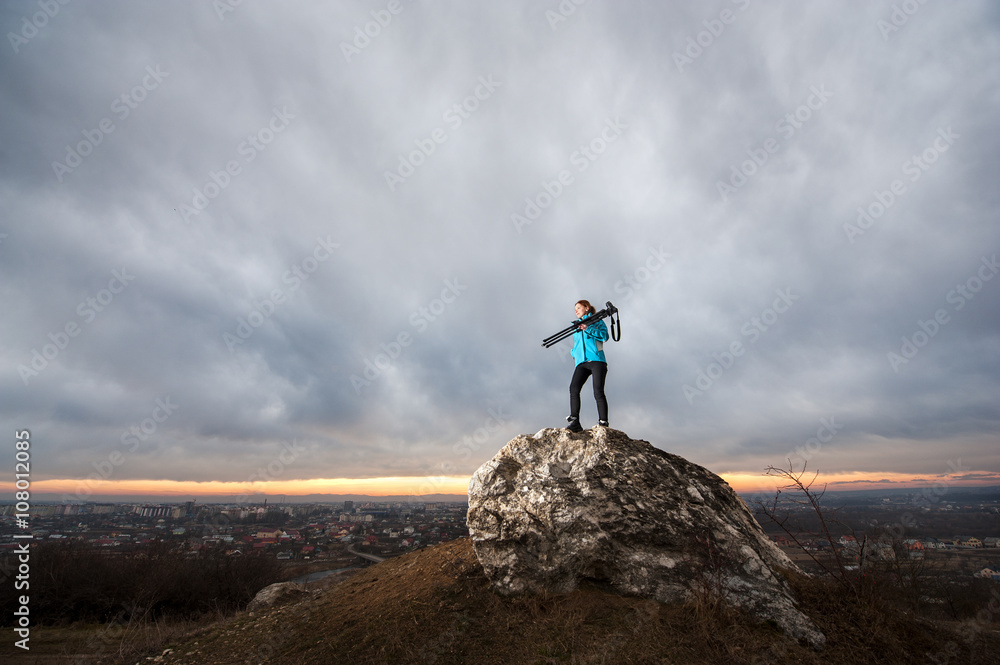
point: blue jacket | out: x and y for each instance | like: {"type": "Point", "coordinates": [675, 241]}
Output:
{"type": "Point", "coordinates": [588, 345]}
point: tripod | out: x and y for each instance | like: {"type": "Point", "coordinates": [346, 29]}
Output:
{"type": "Point", "coordinates": [609, 311]}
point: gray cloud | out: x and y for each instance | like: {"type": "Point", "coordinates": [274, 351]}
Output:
{"type": "Point", "coordinates": [236, 166]}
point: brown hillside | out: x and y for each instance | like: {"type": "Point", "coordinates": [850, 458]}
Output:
{"type": "Point", "coordinates": [434, 606]}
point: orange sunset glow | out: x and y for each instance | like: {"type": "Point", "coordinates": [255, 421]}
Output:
{"type": "Point", "coordinates": [174, 489]}
{"type": "Point", "coordinates": [74, 489]}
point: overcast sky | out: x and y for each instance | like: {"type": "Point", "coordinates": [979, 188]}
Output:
{"type": "Point", "coordinates": [335, 234]}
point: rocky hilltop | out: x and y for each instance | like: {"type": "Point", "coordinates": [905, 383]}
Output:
{"type": "Point", "coordinates": [617, 525]}
{"type": "Point", "coordinates": [555, 509]}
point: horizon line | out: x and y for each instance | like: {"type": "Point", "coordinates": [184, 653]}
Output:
{"type": "Point", "coordinates": [416, 486]}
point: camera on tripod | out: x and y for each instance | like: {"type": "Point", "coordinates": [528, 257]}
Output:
{"type": "Point", "coordinates": [609, 311]}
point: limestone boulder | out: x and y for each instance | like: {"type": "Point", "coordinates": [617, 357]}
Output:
{"type": "Point", "coordinates": [557, 508]}
{"type": "Point", "coordinates": [274, 594]}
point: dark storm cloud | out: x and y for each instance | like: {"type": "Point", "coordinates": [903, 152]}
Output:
{"type": "Point", "coordinates": [350, 227]}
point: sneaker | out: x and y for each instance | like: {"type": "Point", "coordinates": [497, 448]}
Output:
{"type": "Point", "coordinates": [603, 423]}
{"type": "Point", "coordinates": [574, 424]}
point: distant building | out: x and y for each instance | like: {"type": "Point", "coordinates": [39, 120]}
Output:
{"type": "Point", "coordinates": [267, 533]}
{"type": "Point", "coordinates": [967, 541]}
{"type": "Point", "coordinates": [153, 511]}
{"type": "Point", "coordinates": [988, 573]}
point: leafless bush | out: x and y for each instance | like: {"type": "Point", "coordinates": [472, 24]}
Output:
{"type": "Point", "coordinates": [798, 492]}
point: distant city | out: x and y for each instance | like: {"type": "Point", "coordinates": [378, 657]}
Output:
{"type": "Point", "coordinates": [288, 531]}
{"type": "Point", "coordinates": [362, 529]}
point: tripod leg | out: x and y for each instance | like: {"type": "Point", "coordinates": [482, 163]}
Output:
{"type": "Point", "coordinates": [561, 334]}
{"type": "Point", "coordinates": [555, 339]}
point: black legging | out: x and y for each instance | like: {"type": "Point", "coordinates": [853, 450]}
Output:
{"type": "Point", "coordinates": [599, 371]}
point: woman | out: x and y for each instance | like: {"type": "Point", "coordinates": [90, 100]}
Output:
{"type": "Point", "coordinates": [588, 352]}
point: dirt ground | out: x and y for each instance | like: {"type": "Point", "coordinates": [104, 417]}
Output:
{"type": "Point", "coordinates": [434, 605]}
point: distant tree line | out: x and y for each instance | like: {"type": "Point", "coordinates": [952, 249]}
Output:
{"type": "Point", "coordinates": [76, 581]}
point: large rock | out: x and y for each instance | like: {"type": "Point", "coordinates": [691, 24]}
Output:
{"type": "Point", "coordinates": [279, 592]}
{"type": "Point", "coordinates": [556, 508]}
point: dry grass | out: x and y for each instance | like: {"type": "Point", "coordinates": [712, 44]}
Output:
{"type": "Point", "coordinates": [435, 606]}
{"type": "Point", "coordinates": [83, 644]}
